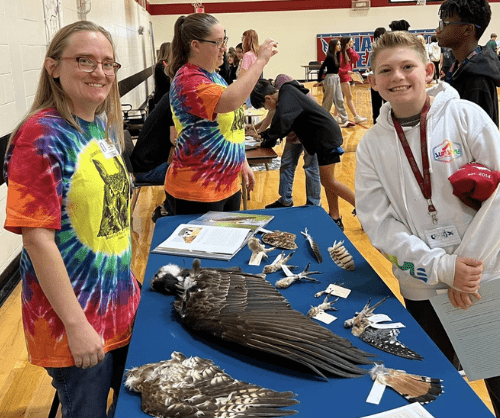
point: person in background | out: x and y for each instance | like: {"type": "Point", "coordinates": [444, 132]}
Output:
{"type": "Point", "coordinates": [399, 25]}
{"type": "Point", "coordinates": [250, 41]}
{"type": "Point", "coordinates": [295, 111]}
{"type": "Point", "coordinates": [289, 160]}
{"type": "Point", "coordinates": [233, 60]}
{"type": "Point", "coordinates": [68, 196]}
{"type": "Point", "coordinates": [492, 43]}
{"type": "Point", "coordinates": [401, 217]}
{"type": "Point", "coordinates": [447, 59]}
{"type": "Point", "coordinates": [239, 54]}
{"type": "Point", "coordinates": [208, 115]}
{"type": "Point", "coordinates": [348, 56]}
{"type": "Point", "coordinates": [162, 80]}
{"type": "Point", "coordinates": [332, 92]}
{"type": "Point", "coordinates": [377, 100]}
{"type": "Point", "coordinates": [223, 70]}
{"type": "Point", "coordinates": [434, 52]}
{"type": "Point", "coordinates": [475, 74]}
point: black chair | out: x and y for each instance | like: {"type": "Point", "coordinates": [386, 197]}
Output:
{"type": "Point", "coordinates": [314, 67]}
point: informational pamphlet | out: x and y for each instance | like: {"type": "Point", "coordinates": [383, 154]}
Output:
{"type": "Point", "coordinates": [474, 332]}
{"type": "Point", "coordinates": [216, 235]}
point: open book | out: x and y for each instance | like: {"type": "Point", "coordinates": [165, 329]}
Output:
{"type": "Point", "coordinates": [217, 235]}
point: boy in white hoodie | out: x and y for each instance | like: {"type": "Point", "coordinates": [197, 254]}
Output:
{"type": "Point", "coordinates": [404, 198]}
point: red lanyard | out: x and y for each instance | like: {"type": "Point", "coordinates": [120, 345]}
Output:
{"type": "Point", "coordinates": [423, 181]}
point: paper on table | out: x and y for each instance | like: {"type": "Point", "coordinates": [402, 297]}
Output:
{"type": "Point", "coordinates": [475, 332]}
{"type": "Point", "coordinates": [413, 410]}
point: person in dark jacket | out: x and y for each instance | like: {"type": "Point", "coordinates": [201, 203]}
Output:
{"type": "Point", "coordinates": [315, 128]}
{"type": "Point", "coordinates": [476, 72]}
{"type": "Point", "coordinates": [162, 80]}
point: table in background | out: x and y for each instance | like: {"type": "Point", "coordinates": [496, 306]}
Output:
{"type": "Point", "coordinates": [308, 69]}
{"type": "Point", "coordinates": [158, 331]}
{"type": "Point", "coordinates": [256, 156]}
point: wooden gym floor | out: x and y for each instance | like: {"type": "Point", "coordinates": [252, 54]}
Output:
{"type": "Point", "coordinates": [25, 390]}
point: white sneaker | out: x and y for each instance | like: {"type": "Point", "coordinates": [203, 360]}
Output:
{"type": "Point", "coordinates": [337, 119]}
{"type": "Point", "coordinates": [359, 119]}
{"type": "Point", "coordinates": [347, 124]}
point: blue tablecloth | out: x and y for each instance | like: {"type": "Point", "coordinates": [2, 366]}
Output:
{"type": "Point", "coordinates": [158, 330]}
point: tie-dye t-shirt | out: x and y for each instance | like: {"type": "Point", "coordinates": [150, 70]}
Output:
{"type": "Point", "coordinates": [210, 148]}
{"type": "Point", "coordinates": [62, 179]}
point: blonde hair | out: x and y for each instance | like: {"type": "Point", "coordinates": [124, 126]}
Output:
{"type": "Point", "coordinates": [250, 41]}
{"type": "Point", "coordinates": [50, 93]}
{"type": "Point", "coordinates": [395, 40]}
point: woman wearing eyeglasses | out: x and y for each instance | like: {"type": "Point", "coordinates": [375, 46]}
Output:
{"type": "Point", "coordinates": [208, 115]}
{"type": "Point", "coordinates": [68, 195]}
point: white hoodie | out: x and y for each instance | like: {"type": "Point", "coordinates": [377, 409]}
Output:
{"type": "Point", "coordinates": [393, 211]}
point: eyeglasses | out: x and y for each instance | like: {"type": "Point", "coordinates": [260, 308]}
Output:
{"type": "Point", "coordinates": [443, 24]}
{"type": "Point", "coordinates": [219, 44]}
{"type": "Point", "coordinates": [88, 65]}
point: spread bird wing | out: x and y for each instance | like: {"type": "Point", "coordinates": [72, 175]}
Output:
{"type": "Point", "coordinates": [314, 246]}
{"type": "Point", "coordinates": [413, 387]}
{"type": "Point", "coordinates": [248, 310]}
{"type": "Point", "coordinates": [194, 387]}
{"type": "Point", "coordinates": [386, 340]}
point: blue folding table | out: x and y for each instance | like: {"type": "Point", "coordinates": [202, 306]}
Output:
{"type": "Point", "coordinates": [158, 330]}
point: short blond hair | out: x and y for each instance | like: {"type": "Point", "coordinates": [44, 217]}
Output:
{"type": "Point", "coordinates": [398, 39]}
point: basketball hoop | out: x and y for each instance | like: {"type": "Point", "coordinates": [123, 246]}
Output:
{"type": "Point", "coordinates": [198, 8]}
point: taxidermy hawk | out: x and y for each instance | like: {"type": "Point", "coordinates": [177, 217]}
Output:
{"type": "Point", "coordinates": [195, 387]}
{"type": "Point", "coordinates": [246, 309]}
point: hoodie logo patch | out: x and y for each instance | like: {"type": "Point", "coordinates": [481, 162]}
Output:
{"type": "Point", "coordinates": [447, 151]}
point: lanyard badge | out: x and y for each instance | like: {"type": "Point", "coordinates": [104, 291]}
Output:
{"type": "Point", "coordinates": [423, 179]}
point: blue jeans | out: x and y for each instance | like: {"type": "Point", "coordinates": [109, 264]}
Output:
{"type": "Point", "coordinates": [289, 161]}
{"type": "Point", "coordinates": [84, 393]}
{"type": "Point", "coordinates": [156, 175]}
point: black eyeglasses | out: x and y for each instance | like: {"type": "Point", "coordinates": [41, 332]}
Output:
{"type": "Point", "coordinates": [444, 23]}
{"type": "Point", "coordinates": [88, 65]}
{"type": "Point", "coordinates": [219, 44]}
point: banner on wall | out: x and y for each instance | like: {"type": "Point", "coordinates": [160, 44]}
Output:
{"type": "Point", "coordinates": [362, 44]}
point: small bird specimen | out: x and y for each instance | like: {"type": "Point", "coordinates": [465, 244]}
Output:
{"type": "Point", "coordinates": [259, 251]}
{"type": "Point", "coordinates": [195, 387]}
{"type": "Point", "coordinates": [314, 246]}
{"type": "Point", "coordinates": [322, 307]}
{"type": "Point", "coordinates": [295, 278]}
{"type": "Point", "coordinates": [278, 262]}
{"type": "Point", "coordinates": [383, 339]}
{"type": "Point", "coordinates": [341, 256]}
{"type": "Point", "coordinates": [280, 239]}
{"type": "Point", "coordinates": [246, 309]}
{"type": "Point", "coordinates": [413, 387]}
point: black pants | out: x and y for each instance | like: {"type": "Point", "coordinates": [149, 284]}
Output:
{"type": "Point", "coordinates": [426, 316]}
{"type": "Point", "coordinates": [188, 207]}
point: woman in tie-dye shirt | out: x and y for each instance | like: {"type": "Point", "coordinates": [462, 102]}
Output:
{"type": "Point", "coordinates": [208, 115]}
{"type": "Point", "coordinates": [68, 195]}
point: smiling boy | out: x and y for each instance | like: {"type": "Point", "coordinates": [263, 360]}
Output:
{"type": "Point", "coordinates": [403, 196]}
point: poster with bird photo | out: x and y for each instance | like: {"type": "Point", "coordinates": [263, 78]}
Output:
{"type": "Point", "coordinates": [251, 221]}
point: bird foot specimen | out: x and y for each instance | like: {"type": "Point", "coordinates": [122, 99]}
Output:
{"type": "Point", "coordinates": [259, 251]}
{"type": "Point", "coordinates": [322, 307]}
{"type": "Point", "coordinates": [314, 246]}
{"type": "Point", "coordinates": [280, 239]}
{"type": "Point", "coordinates": [195, 387]}
{"type": "Point", "coordinates": [278, 262]}
{"type": "Point", "coordinates": [413, 387]}
{"type": "Point", "coordinates": [341, 256]}
{"type": "Point", "coordinates": [294, 278]}
{"type": "Point", "coordinates": [246, 309]}
{"type": "Point", "coordinates": [385, 339]}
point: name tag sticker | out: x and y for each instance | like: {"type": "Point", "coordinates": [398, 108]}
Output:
{"type": "Point", "coordinates": [442, 236]}
{"type": "Point", "coordinates": [109, 150]}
